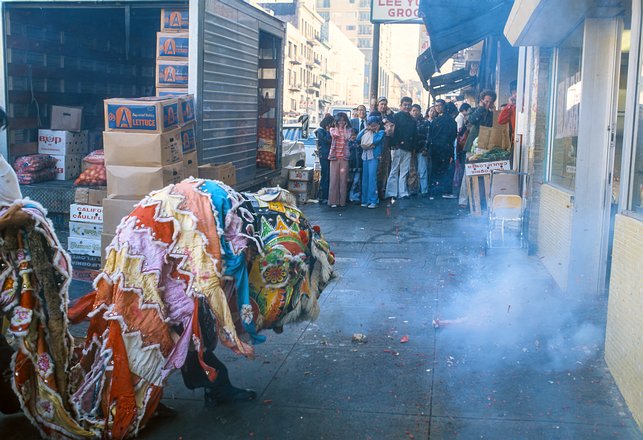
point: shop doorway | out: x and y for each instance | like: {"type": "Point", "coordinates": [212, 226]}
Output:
{"type": "Point", "coordinates": [616, 148]}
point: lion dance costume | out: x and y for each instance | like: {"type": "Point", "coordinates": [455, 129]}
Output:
{"type": "Point", "coordinates": [190, 254]}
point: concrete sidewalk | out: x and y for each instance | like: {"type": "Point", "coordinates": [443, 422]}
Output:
{"type": "Point", "coordinates": [512, 358]}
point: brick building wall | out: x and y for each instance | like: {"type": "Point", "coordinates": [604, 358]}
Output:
{"type": "Point", "coordinates": [623, 338]}
{"type": "Point", "coordinates": [555, 232]}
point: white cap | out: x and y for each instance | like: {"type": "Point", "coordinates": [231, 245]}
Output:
{"type": "Point", "coordinates": [9, 188]}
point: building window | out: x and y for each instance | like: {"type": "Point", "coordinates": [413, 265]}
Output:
{"type": "Point", "coordinates": [350, 28]}
{"type": "Point", "coordinates": [565, 108]}
{"type": "Point", "coordinates": [323, 3]}
{"type": "Point", "coordinates": [364, 16]}
{"type": "Point", "coordinates": [325, 15]}
{"type": "Point", "coordinates": [363, 43]}
{"type": "Point", "coordinates": [364, 3]}
{"type": "Point", "coordinates": [365, 29]}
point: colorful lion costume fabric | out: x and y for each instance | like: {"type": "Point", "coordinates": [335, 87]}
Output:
{"type": "Point", "coordinates": [189, 242]}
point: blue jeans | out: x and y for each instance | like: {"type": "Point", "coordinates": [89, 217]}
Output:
{"type": "Point", "coordinates": [324, 181]}
{"type": "Point", "coordinates": [423, 172]}
{"type": "Point", "coordinates": [369, 182]}
{"type": "Point", "coordinates": [355, 189]}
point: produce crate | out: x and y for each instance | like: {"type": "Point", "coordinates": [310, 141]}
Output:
{"type": "Point", "coordinates": [478, 189]}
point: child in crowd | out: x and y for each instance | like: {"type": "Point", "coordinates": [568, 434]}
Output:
{"type": "Point", "coordinates": [371, 141]}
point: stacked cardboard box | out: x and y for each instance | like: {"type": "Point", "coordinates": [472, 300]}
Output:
{"type": "Point", "coordinates": [226, 173]}
{"type": "Point", "coordinates": [115, 208]}
{"type": "Point", "coordinates": [143, 153]}
{"type": "Point", "coordinates": [142, 144]}
{"type": "Point", "coordinates": [85, 228]}
{"type": "Point", "coordinates": [172, 55]}
{"type": "Point", "coordinates": [64, 141]}
{"type": "Point", "coordinates": [188, 135]}
{"type": "Point", "coordinates": [172, 52]}
{"type": "Point", "coordinates": [300, 182]}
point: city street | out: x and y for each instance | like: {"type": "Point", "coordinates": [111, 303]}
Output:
{"type": "Point", "coordinates": [511, 357]}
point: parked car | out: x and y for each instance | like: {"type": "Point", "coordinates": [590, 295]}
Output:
{"type": "Point", "coordinates": [338, 109]}
{"type": "Point", "coordinates": [293, 134]}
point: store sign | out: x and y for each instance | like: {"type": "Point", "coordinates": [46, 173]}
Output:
{"type": "Point", "coordinates": [479, 168]}
{"type": "Point", "coordinates": [395, 11]}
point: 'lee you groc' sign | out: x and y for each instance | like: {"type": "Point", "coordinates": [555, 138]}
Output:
{"type": "Point", "coordinates": [395, 11]}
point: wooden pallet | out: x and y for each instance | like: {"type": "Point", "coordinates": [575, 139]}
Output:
{"type": "Point", "coordinates": [478, 189]}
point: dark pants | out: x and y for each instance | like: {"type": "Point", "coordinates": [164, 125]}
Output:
{"type": "Point", "coordinates": [440, 161]}
{"type": "Point", "coordinates": [324, 180]}
{"type": "Point", "coordinates": [384, 168]}
{"type": "Point", "coordinates": [448, 180]}
{"type": "Point", "coordinates": [194, 376]}
{"type": "Point", "coordinates": [220, 390]}
{"type": "Point", "coordinates": [9, 403]}
{"type": "Point", "coordinates": [459, 171]}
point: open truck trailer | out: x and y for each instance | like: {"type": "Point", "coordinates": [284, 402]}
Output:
{"type": "Point", "coordinates": [79, 53]}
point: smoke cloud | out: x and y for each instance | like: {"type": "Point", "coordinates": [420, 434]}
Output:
{"type": "Point", "coordinates": [509, 311]}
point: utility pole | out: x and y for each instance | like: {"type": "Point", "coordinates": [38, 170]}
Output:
{"type": "Point", "coordinates": [375, 67]}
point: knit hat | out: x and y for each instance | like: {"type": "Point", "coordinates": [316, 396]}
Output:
{"type": "Point", "coordinates": [373, 120]}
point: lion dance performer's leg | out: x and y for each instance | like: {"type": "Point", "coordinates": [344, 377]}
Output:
{"type": "Point", "coordinates": [221, 390]}
{"type": "Point", "coordinates": [9, 403]}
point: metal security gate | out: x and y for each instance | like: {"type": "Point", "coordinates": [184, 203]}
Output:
{"type": "Point", "coordinates": [229, 88]}
{"type": "Point", "coordinates": [226, 82]}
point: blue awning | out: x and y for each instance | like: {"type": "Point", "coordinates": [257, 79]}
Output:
{"type": "Point", "coordinates": [456, 25]}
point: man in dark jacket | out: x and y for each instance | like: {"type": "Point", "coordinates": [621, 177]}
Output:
{"type": "Point", "coordinates": [323, 150]}
{"type": "Point", "coordinates": [441, 145]}
{"type": "Point", "coordinates": [481, 116]}
{"type": "Point", "coordinates": [403, 144]}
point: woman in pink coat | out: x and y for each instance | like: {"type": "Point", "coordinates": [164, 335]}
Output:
{"type": "Point", "coordinates": [338, 158]}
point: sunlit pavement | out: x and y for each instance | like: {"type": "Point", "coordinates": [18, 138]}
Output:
{"type": "Point", "coordinates": [511, 358]}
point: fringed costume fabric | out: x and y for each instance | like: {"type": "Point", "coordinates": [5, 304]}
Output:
{"type": "Point", "coordinates": [252, 260]}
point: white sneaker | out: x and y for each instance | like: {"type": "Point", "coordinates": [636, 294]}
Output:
{"type": "Point", "coordinates": [364, 205]}
{"type": "Point", "coordinates": [333, 206]}
{"type": "Point", "coordinates": [373, 205]}
{"type": "Point", "coordinates": [449, 196]}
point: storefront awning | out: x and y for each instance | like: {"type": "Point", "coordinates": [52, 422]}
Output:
{"type": "Point", "coordinates": [458, 79]}
{"type": "Point", "coordinates": [457, 25]}
{"type": "Point", "coordinates": [546, 23]}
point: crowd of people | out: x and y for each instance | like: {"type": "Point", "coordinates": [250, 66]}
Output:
{"type": "Point", "coordinates": [386, 155]}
